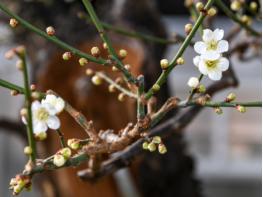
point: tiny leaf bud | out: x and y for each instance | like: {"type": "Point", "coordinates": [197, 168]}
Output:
{"type": "Point", "coordinates": [164, 64]}
{"type": "Point", "coordinates": [83, 61]}
{"type": "Point", "coordinates": [67, 56]}
{"type": "Point", "coordinates": [95, 51]}
{"type": "Point", "coordinates": [230, 97]}
{"type": "Point", "coordinates": [162, 149]}
{"type": "Point", "coordinates": [50, 31]}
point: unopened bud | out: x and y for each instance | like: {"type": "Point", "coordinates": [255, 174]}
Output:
{"type": "Point", "coordinates": [89, 72]}
{"type": "Point", "coordinates": [127, 67]}
{"type": "Point", "coordinates": [66, 152]}
{"type": "Point", "coordinates": [112, 88]}
{"type": "Point", "coordinates": [28, 150]}
{"type": "Point", "coordinates": [41, 136]}
{"type": "Point", "coordinates": [235, 5]}
{"type": "Point", "coordinates": [83, 61]}
{"type": "Point", "coordinates": [20, 65]}
{"type": "Point", "coordinates": [253, 6]}
{"type": "Point", "coordinates": [212, 12]}
{"type": "Point", "coordinates": [218, 110]}
{"type": "Point", "coordinates": [67, 56]}
{"type": "Point", "coordinates": [13, 22]}
{"type": "Point", "coordinates": [241, 108]}
{"type": "Point", "coordinates": [114, 68]}
{"type": "Point", "coordinates": [105, 46]}
{"type": "Point", "coordinates": [23, 112]}
{"type": "Point", "coordinates": [157, 140]}
{"type": "Point", "coordinates": [180, 61]}
{"type": "Point", "coordinates": [95, 51]}
{"type": "Point", "coordinates": [199, 6]}
{"type": "Point", "coordinates": [164, 64]}
{"type": "Point", "coordinates": [121, 97]}
{"type": "Point", "coordinates": [151, 147]}
{"type": "Point", "coordinates": [35, 95]}
{"type": "Point", "coordinates": [145, 145]}
{"type": "Point", "coordinates": [246, 19]}
{"type": "Point", "coordinates": [188, 28]}
{"type": "Point", "coordinates": [59, 160]}
{"type": "Point", "coordinates": [123, 53]}
{"type": "Point", "coordinates": [155, 87]}
{"type": "Point", "coordinates": [14, 92]}
{"type": "Point", "coordinates": [50, 31]}
{"type": "Point", "coordinates": [74, 144]}
{"type": "Point", "coordinates": [96, 80]}
{"type": "Point", "coordinates": [162, 149]}
{"type": "Point", "coordinates": [33, 87]}
{"type": "Point", "coordinates": [201, 89]}
{"type": "Point", "coordinates": [20, 50]}
{"type": "Point", "coordinates": [230, 97]}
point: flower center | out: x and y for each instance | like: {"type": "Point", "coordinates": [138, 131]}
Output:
{"type": "Point", "coordinates": [211, 63]}
{"type": "Point", "coordinates": [42, 114]}
{"type": "Point", "coordinates": [212, 45]}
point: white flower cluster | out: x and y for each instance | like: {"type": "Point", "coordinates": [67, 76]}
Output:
{"type": "Point", "coordinates": [210, 61]}
{"type": "Point", "coordinates": [44, 114]}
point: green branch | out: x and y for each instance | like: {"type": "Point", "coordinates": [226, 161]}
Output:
{"type": "Point", "coordinates": [230, 14]}
{"type": "Point", "coordinates": [106, 40]}
{"type": "Point", "coordinates": [163, 77]}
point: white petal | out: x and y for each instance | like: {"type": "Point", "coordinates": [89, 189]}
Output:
{"type": "Point", "coordinates": [24, 120]}
{"type": "Point", "coordinates": [60, 104]}
{"type": "Point", "coordinates": [51, 109]}
{"type": "Point", "coordinates": [202, 68]}
{"type": "Point", "coordinates": [222, 46]}
{"type": "Point", "coordinates": [35, 105]}
{"type": "Point", "coordinates": [196, 60]}
{"type": "Point", "coordinates": [210, 55]}
{"type": "Point", "coordinates": [50, 98]}
{"type": "Point", "coordinates": [218, 34]}
{"type": "Point", "coordinates": [200, 47]}
{"type": "Point", "coordinates": [215, 75]}
{"type": "Point", "coordinates": [39, 126]}
{"type": "Point", "coordinates": [207, 35]}
{"type": "Point", "coordinates": [223, 64]}
{"type": "Point", "coordinates": [53, 122]}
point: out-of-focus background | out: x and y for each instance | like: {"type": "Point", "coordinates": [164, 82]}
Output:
{"type": "Point", "coordinates": [226, 148]}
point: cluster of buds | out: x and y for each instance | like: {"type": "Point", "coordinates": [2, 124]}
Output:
{"type": "Point", "coordinates": [20, 182]}
{"type": "Point", "coordinates": [61, 157]}
{"type": "Point", "coordinates": [153, 144]}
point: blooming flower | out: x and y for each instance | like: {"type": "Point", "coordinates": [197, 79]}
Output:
{"type": "Point", "coordinates": [57, 104]}
{"type": "Point", "coordinates": [43, 117]}
{"type": "Point", "coordinates": [213, 66]}
{"type": "Point", "coordinates": [212, 43]}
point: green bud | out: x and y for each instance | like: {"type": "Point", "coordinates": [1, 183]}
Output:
{"type": "Point", "coordinates": [145, 145]}
{"type": "Point", "coordinates": [230, 97]}
{"type": "Point", "coordinates": [83, 61]}
{"type": "Point", "coordinates": [28, 150]}
{"type": "Point", "coordinates": [66, 152]}
{"type": "Point", "coordinates": [74, 144]}
{"type": "Point", "coordinates": [156, 87]}
{"type": "Point", "coordinates": [201, 88]}
{"type": "Point", "coordinates": [152, 147]}
{"type": "Point", "coordinates": [241, 108]}
{"type": "Point", "coordinates": [157, 140]}
{"type": "Point", "coordinates": [162, 149]}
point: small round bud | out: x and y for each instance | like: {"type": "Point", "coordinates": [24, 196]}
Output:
{"type": "Point", "coordinates": [95, 51]}
{"type": "Point", "coordinates": [156, 87]}
{"type": "Point", "coordinates": [188, 3]}
{"type": "Point", "coordinates": [41, 136]}
{"type": "Point", "coordinates": [201, 89]}
{"type": "Point", "coordinates": [36, 95]}
{"type": "Point", "coordinates": [127, 67]}
{"type": "Point", "coordinates": [241, 108]}
{"type": "Point", "coordinates": [199, 6]}
{"type": "Point", "coordinates": [193, 82]}
{"type": "Point", "coordinates": [89, 72]}
{"type": "Point", "coordinates": [112, 88]}
{"type": "Point", "coordinates": [67, 56]}
{"type": "Point", "coordinates": [121, 97]}
{"type": "Point", "coordinates": [83, 61]}
{"type": "Point", "coordinates": [188, 28]}
{"type": "Point", "coordinates": [212, 12]}
{"type": "Point", "coordinates": [33, 87]}
{"type": "Point", "coordinates": [23, 112]}
{"type": "Point", "coordinates": [19, 65]}
{"type": "Point", "coordinates": [50, 31]}
{"type": "Point", "coordinates": [13, 22]}
{"type": "Point", "coordinates": [96, 80]}
{"type": "Point", "coordinates": [145, 145]}
{"type": "Point", "coordinates": [123, 53]}
{"type": "Point", "coordinates": [74, 144]}
{"type": "Point", "coordinates": [14, 92]}
{"type": "Point", "coordinates": [151, 147]}
{"type": "Point", "coordinates": [235, 5]}
{"type": "Point", "coordinates": [246, 19]}
{"type": "Point", "coordinates": [218, 110]}
{"type": "Point", "coordinates": [114, 68]}
{"type": "Point", "coordinates": [28, 150]}
{"type": "Point", "coordinates": [157, 140]}
{"type": "Point", "coordinates": [59, 160]}
{"type": "Point", "coordinates": [20, 50]}
{"type": "Point", "coordinates": [180, 61]}
{"type": "Point", "coordinates": [66, 152]}
{"type": "Point", "coordinates": [164, 64]}
{"type": "Point", "coordinates": [162, 149]}
{"type": "Point", "coordinates": [253, 6]}
{"type": "Point", "coordinates": [105, 46]}
{"type": "Point", "coordinates": [230, 97]}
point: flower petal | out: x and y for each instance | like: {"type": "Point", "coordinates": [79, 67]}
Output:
{"type": "Point", "coordinates": [50, 98]}
{"type": "Point", "coordinates": [211, 55]}
{"type": "Point", "coordinates": [202, 68]}
{"type": "Point", "coordinates": [53, 122]}
{"type": "Point", "coordinates": [222, 46]}
{"type": "Point", "coordinates": [60, 104]}
{"type": "Point", "coordinates": [35, 105]}
{"type": "Point", "coordinates": [200, 47]}
{"type": "Point", "coordinates": [39, 126]}
{"type": "Point", "coordinates": [51, 109]}
{"type": "Point", "coordinates": [207, 35]}
{"type": "Point", "coordinates": [215, 75]}
{"type": "Point", "coordinates": [196, 60]}
{"type": "Point", "coordinates": [218, 34]}
{"type": "Point", "coordinates": [223, 64]}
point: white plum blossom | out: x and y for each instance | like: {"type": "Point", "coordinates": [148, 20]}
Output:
{"type": "Point", "coordinates": [213, 66]}
{"type": "Point", "coordinates": [193, 82]}
{"type": "Point", "coordinates": [212, 43]}
{"type": "Point", "coordinates": [57, 104]}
